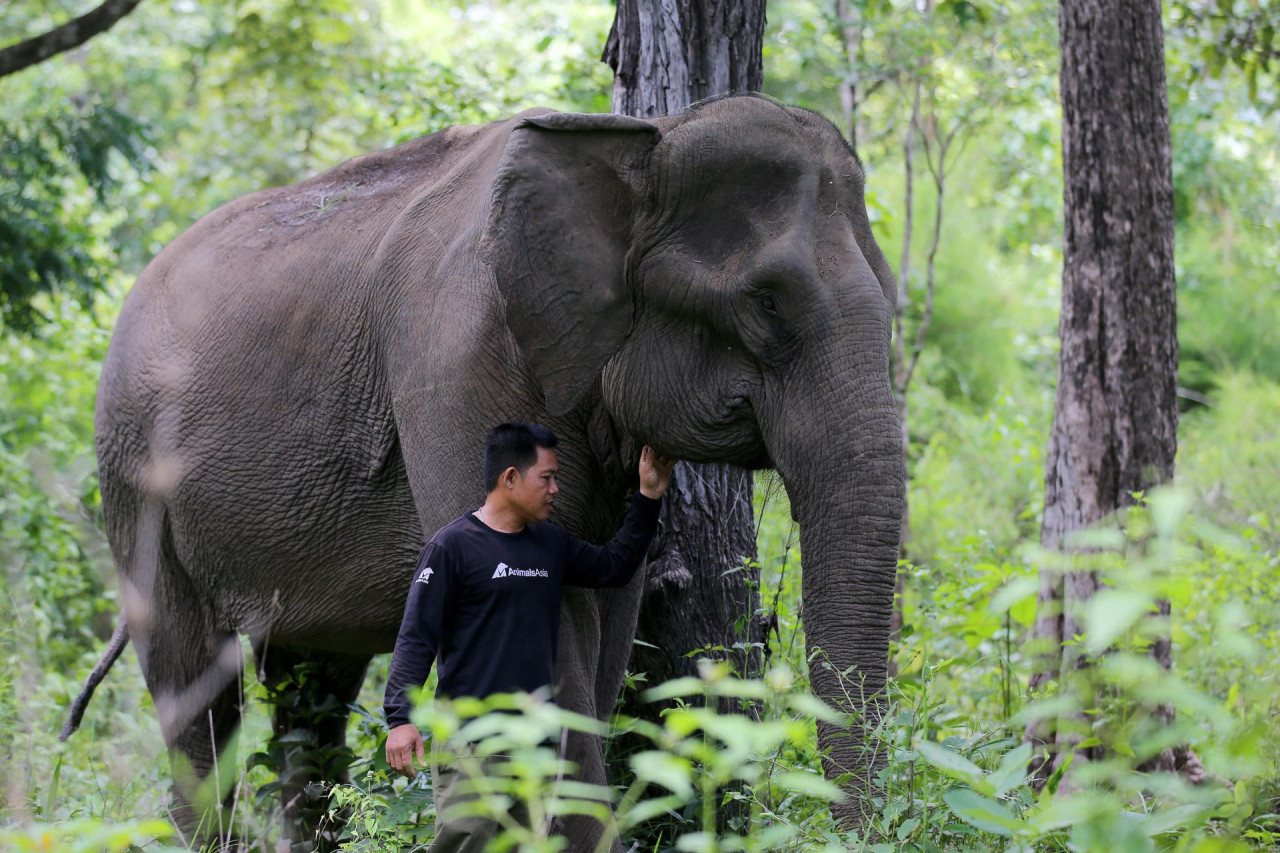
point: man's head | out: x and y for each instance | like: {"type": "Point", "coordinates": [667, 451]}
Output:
{"type": "Point", "coordinates": [520, 468]}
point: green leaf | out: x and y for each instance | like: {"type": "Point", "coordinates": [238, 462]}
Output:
{"type": "Point", "coordinates": [670, 771]}
{"type": "Point", "coordinates": [1169, 506]}
{"type": "Point", "coordinates": [810, 784]}
{"type": "Point", "coordinates": [687, 686]}
{"type": "Point", "coordinates": [1012, 770]}
{"type": "Point", "coordinates": [984, 813]}
{"type": "Point", "coordinates": [953, 764]}
{"type": "Point", "coordinates": [1062, 812]}
{"type": "Point", "coordinates": [739, 689]}
{"type": "Point", "coordinates": [1110, 613]}
{"type": "Point", "coordinates": [581, 790]}
{"type": "Point", "coordinates": [297, 736]}
{"type": "Point", "coordinates": [649, 809]}
{"type": "Point", "coordinates": [1169, 820]}
{"type": "Point", "coordinates": [1100, 538]}
{"type": "Point", "coordinates": [589, 808]}
{"type": "Point", "coordinates": [697, 842]}
{"type": "Point", "coordinates": [1013, 592]}
{"type": "Point", "coordinates": [807, 703]}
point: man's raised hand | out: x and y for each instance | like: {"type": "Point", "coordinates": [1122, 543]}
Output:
{"type": "Point", "coordinates": [655, 472]}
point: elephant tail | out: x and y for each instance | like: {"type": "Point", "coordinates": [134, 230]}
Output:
{"type": "Point", "coordinates": [119, 639]}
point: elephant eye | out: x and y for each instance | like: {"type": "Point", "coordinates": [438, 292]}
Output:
{"type": "Point", "coordinates": [766, 302]}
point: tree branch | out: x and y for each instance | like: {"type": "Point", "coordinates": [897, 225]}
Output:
{"type": "Point", "coordinates": [70, 35]}
{"type": "Point", "coordinates": [940, 186]}
{"type": "Point", "coordinates": [904, 269]}
{"type": "Point", "coordinates": [849, 25]}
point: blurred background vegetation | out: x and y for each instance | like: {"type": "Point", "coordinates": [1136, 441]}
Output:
{"type": "Point", "coordinates": [109, 151]}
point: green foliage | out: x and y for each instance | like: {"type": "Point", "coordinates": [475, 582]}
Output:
{"type": "Point", "coordinates": [53, 556]}
{"type": "Point", "coordinates": [1226, 168]}
{"type": "Point", "coordinates": [46, 166]}
{"type": "Point", "coordinates": [87, 836]}
{"type": "Point", "coordinates": [294, 756]}
{"type": "Point", "coordinates": [695, 753]}
{"type": "Point", "coordinates": [1244, 34]}
{"type": "Point", "coordinates": [376, 818]}
{"type": "Point", "coordinates": [942, 787]}
{"type": "Point", "coordinates": [963, 508]}
{"type": "Point", "coordinates": [1231, 453]}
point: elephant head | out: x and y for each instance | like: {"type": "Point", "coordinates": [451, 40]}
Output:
{"type": "Point", "coordinates": [714, 275]}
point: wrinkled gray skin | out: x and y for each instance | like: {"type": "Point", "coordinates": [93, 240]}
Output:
{"type": "Point", "coordinates": [299, 388]}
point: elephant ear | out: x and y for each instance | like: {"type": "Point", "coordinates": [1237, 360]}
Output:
{"type": "Point", "coordinates": [557, 236]}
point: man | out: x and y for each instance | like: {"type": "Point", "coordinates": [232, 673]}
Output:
{"type": "Point", "coordinates": [485, 599]}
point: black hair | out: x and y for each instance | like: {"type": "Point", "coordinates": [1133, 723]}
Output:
{"type": "Point", "coordinates": [513, 445]}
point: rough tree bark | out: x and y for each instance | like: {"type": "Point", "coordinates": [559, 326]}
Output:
{"type": "Point", "coordinates": [1115, 420]}
{"type": "Point", "coordinates": [66, 37]}
{"type": "Point", "coordinates": [666, 55]}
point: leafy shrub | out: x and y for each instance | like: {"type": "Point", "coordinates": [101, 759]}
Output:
{"type": "Point", "coordinates": [51, 170]}
{"type": "Point", "coordinates": [88, 836]}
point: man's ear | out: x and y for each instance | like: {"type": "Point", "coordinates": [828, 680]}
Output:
{"type": "Point", "coordinates": [559, 228]}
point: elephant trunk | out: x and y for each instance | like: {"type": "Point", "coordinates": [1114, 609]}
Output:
{"type": "Point", "coordinates": [846, 480]}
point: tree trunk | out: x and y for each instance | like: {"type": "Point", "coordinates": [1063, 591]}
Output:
{"type": "Point", "coordinates": [665, 56]}
{"type": "Point", "coordinates": [702, 587]}
{"type": "Point", "coordinates": [1115, 420]}
{"type": "Point", "coordinates": [694, 598]}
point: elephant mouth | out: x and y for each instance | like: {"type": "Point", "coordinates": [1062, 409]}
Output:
{"type": "Point", "coordinates": [739, 419]}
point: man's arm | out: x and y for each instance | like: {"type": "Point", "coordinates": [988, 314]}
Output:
{"type": "Point", "coordinates": [421, 632]}
{"type": "Point", "coordinates": [613, 564]}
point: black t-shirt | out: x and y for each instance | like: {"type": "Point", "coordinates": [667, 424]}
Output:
{"type": "Point", "coordinates": [487, 603]}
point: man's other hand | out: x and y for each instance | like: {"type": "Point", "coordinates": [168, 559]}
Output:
{"type": "Point", "coordinates": [403, 743]}
{"type": "Point", "coordinates": [655, 472]}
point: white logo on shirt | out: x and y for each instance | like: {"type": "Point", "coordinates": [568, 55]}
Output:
{"type": "Point", "coordinates": [505, 571]}
{"type": "Point", "coordinates": [425, 576]}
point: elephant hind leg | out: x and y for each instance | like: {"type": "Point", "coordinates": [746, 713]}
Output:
{"type": "Point", "coordinates": [193, 671]}
{"type": "Point", "coordinates": [311, 691]}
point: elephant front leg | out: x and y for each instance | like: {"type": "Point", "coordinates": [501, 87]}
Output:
{"type": "Point", "coordinates": [596, 631]}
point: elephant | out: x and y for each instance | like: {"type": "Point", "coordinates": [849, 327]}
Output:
{"type": "Point", "coordinates": [298, 387]}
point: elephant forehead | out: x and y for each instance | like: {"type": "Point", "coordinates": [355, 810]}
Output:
{"type": "Point", "coordinates": [726, 222]}
{"type": "Point", "coordinates": [723, 184]}
{"type": "Point", "coordinates": [707, 148]}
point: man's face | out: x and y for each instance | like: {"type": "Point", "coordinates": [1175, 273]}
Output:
{"type": "Point", "coordinates": [534, 492]}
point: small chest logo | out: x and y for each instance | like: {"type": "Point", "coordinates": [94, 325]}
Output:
{"type": "Point", "coordinates": [424, 576]}
{"type": "Point", "coordinates": [505, 571]}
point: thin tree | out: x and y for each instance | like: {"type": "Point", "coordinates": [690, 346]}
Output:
{"type": "Point", "coordinates": [1115, 420]}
